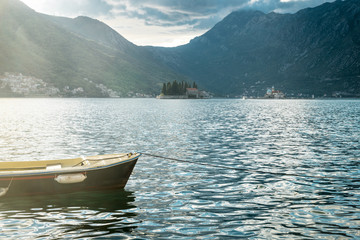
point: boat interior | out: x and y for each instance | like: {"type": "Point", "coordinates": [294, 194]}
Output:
{"type": "Point", "coordinates": [54, 165]}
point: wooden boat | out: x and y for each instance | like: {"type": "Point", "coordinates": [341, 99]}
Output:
{"type": "Point", "coordinates": [100, 172]}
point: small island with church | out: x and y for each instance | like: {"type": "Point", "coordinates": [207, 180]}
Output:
{"type": "Point", "coordinates": [182, 90]}
{"type": "Point", "coordinates": [274, 94]}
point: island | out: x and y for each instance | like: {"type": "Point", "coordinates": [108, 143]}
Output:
{"type": "Point", "coordinates": [182, 90]}
{"type": "Point", "coordinates": [272, 93]}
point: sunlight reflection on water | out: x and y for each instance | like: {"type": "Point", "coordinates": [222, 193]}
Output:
{"type": "Point", "coordinates": [166, 199]}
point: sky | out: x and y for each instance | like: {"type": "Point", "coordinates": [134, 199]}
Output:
{"type": "Point", "coordinates": [166, 23]}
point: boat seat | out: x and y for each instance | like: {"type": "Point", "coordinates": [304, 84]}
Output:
{"type": "Point", "coordinates": [53, 167]}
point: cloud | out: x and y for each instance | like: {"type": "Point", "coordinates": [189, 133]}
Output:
{"type": "Point", "coordinates": [168, 13]}
{"type": "Point", "coordinates": [140, 21]}
{"type": "Point", "coordinates": [70, 8]}
{"type": "Point", "coordinates": [199, 13]}
{"type": "Point", "coordinates": [190, 18]}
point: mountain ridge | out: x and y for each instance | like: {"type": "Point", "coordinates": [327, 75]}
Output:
{"type": "Point", "coordinates": [314, 51]}
{"type": "Point", "coordinates": [76, 63]}
{"type": "Point", "coordinates": [93, 29]}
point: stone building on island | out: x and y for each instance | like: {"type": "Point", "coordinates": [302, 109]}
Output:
{"type": "Point", "coordinates": [272, 93]}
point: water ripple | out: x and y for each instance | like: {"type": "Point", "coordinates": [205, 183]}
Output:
{"type": "Point", "coordinates": [300, 160]}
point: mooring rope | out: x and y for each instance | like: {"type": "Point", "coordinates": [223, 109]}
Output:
{"type": "Point", "coordinates": [3, 191]}
{"type": "Point", "coordinates": [248, 170]}
{"type": "Point", "coordinates": [197, 163]}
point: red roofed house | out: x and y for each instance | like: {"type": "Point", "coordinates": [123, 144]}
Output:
{"type": "Point", "coordinates": [192, 93]}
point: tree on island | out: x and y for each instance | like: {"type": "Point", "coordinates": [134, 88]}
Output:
{"type": "Point", "coordinates": [176, 88]}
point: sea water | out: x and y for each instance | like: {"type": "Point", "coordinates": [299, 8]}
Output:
{"type": "Point", "coordinates": [285, 168]}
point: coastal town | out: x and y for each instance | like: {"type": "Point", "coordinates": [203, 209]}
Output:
{"type": "Point", "coordinates": [27, 86]}
{"type": "Point", "coordinates": [19, 85]}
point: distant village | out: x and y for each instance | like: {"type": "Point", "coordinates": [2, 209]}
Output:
{"type": "Point", "coordinates": [19, 85]}
{"type": "Point", "coordinates": [27, 86]}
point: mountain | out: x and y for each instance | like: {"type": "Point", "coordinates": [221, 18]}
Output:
{"type": "Point", "coordinates": [95, 30]}
{"type": "Point", "coordinates": [46, 55]}
{"type": "Point", "coordinates": [314, 51]}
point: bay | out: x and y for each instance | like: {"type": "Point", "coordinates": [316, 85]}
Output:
{"type": "Point", "coordinates": [295, 168]}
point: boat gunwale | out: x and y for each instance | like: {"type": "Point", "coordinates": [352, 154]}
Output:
{"type": "Point", "coordinates": [66, 170]}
